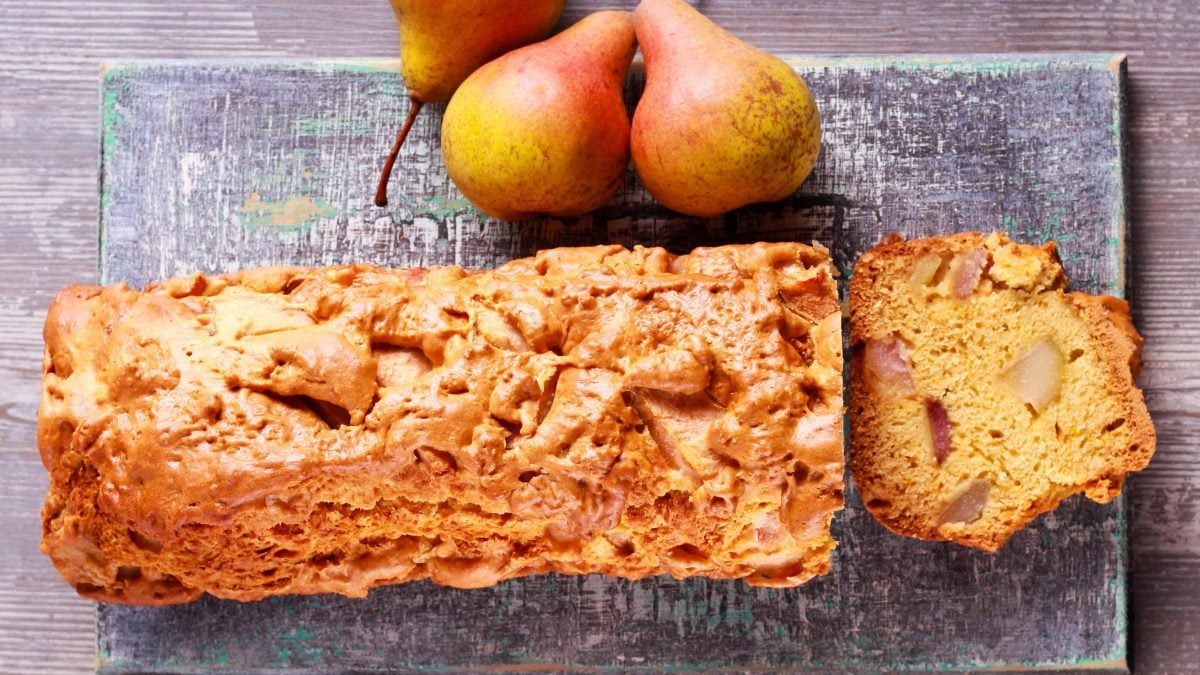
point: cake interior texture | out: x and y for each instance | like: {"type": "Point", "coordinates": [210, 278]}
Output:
{"type": "Point", "coordinates": [591, 410]}
{"type": "Point", "coordinates": [982, 392]}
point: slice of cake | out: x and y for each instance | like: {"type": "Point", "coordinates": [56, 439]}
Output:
{"type": "Point", "coordinates": [982, 392]}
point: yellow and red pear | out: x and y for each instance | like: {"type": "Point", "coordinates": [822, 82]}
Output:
{"type": "Point", "coordinates": [444, 41]}
{"type": "Point", "coordinates": [544, 129]}
{"type": "Point", "coordinates": [721, 123]}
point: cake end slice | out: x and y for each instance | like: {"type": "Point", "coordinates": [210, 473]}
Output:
{"type": "Point", "coordinates": [983, 393]}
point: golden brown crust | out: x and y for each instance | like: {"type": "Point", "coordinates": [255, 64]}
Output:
{"type": "Point", "coordinates": [1120, 347]}
{"type": "Point", "coordinates": [289, 430]}
{"type": "Point", "coordinates": [939, 358]}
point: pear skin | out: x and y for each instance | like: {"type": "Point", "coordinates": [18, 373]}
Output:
{"type": "Point", "coordinates": [444, 41]}
{"type": "Point", "coordinates": [720, 124]}
{"type": "Point", "coordinates": [543, 129]}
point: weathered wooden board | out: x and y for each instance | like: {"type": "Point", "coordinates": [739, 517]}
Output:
{"type": "Point", "coordinates": [216, 166]}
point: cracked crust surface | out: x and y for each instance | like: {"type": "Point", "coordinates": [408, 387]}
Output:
{"type": "Point", "coordinates": [295, 430]}
{"type": "Point", "coordinates": [982, 392]}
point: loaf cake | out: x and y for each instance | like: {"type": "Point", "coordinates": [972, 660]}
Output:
{"type": "Point", "coordinates": [982, 392]}
{"type": "Point", "coordinates": [590, 410]}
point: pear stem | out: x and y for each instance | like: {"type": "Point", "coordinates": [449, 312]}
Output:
{"type": "Point", "coordinates": [381, 189]}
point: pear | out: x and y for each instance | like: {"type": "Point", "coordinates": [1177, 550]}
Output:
{"type": "Point", "coordinates": [720, 124]}
{"type": "Point", "coordinates": [543, 129]}
{"type": "Point", "coordinates": [444, 41]}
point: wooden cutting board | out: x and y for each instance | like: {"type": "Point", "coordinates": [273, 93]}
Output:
{"type": "Point", "coordinates": [223, 165]}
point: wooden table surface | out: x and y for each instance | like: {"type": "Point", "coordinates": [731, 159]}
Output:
{"type": "Point", "coordinates": [50, 53]}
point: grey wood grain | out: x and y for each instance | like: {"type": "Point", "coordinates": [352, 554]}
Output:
{"type": "Point", "coordinates": [49, 56]}
{"type": "Point", "coordinates": [225, 165]}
